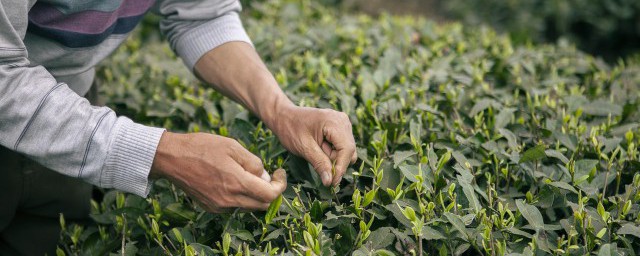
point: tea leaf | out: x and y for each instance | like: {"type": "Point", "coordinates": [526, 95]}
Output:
{"type": "Point", "coordinates": [457, 223]}
{"type": "Point", "coordinates": [531, 214]}
{"type": "Point", "coordinates": [273, 209]}
{"type": "Point", "coordinates": [533, 154]}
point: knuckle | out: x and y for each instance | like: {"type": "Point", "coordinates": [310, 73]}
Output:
{"type": "Point", "coordinates": [222, 202]}
{"type": "Point", "coordinates": [229, 142]}
{"type": "Point", "coordinates": [229, 202]}
{"type": "Point", "coordinates": [330, 128]}
{"type": "Point", "coordinates": [271, 195]}
{"type": "Point", "coordinates": [305, 148]}
{"type": "Point", "coordinates": [256, 162]}
{"type": "Point", "coordinates": [317, 164]}
{"type": "Point", "coordinates": [239, 186]}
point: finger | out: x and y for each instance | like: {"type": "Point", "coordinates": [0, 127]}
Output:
{"type": "Point", "coordinates": [249, 162]}
{"type": "Point", "coordinates": [263, 191]}
{"type": "Point", "coordinates": [250, 203]}
{"type": "Point", "coordinates": [328, 150]}
{"type": "Point", "coordinates": [265, 176]}
{"type": "Point", "coordinates": [354, 157]}
{"type": "Point", "coordinates": [342, 162]}
{"type": "Point", "coordinates": [320, 161]}
{"type": "Point", "coordinates": [344, 145]}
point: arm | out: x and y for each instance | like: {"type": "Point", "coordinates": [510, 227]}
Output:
{"type": "Point", "coordinates": [48, 122]}
{"type": "Point", "coordinates": [321, 136]}
{"type": "Point", "coordinates": [217, 171]}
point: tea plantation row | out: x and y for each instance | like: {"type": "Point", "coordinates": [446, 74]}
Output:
{"type": "Point", "coordinates": [467, 144]}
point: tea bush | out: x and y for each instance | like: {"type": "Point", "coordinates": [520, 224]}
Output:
{"type": "Point", "coordinates": [609, 28]}
{"type": "Point", "coordinates": [467, 145]}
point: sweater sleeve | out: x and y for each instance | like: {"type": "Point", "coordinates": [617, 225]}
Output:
{"type": "Point", "coordinates": [49, 123]}
{"type": "Point", "coordinates": [194, 27]}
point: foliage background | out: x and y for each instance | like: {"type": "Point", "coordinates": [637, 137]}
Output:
{"type": "Point", "coordinates": [606, 28]}
{"type": "Point", "coordinates": [468, 144]}
{"type": "Point", "coordinates": [610, 28]}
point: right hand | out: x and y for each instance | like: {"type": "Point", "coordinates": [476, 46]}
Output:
{"type": "Point", "coordinates": [216, 171]}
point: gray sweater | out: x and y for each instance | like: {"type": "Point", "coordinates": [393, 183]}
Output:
{"type": "Point", "coordinates": [48, 50]}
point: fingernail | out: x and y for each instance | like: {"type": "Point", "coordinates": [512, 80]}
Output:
{"type": "Point", "coordinates": [265, 176]}
{"type": "Point", "coordinates": [326, 178]}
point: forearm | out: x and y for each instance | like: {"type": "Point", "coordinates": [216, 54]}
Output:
{"type": "Point", "coordinates": [236, 70]}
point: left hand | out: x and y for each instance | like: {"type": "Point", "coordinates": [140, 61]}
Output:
{"type": "Point", "coordinates": [321, 136]}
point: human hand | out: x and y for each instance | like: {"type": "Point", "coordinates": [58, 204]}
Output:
{"type": "Point", "coordinates": [322, 136]}
{"type": "Point", "coordinates": [216, 171]}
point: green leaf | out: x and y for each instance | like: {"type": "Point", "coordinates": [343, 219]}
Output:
{"type": "Point", "coordinates": [482, 105]}
{"type": "Point", "coordinates": [177, 234]}
{"type": "Point", "coordinates": [308, 239]}
{"type": "Point", "coordinates": [563, 185]}
{"type": "Point", "coordinates": [274, 234]}
{"type": "Point", "coordinates": [400, 156]}
{"type": "Point", "coordinates": [531, 214]}
{"type": "Point", "coordinates": [605, 250]}
{"type": "Point", "coordinates": [431, 234]}
{"type": "Point", "coordinates": [629, 229]}
{"type": "Point", "coordinates": [60, 252]}
{"type": "Point", "coordinates": [203, 249]}
{"type": "Point", "coordinates": [512, 140]}
{"type": "Point", "coordinates": [409, 172]}
{"type": "Point", "coordinates": [368, 197]}
{"type": "Point", "coordinates": [226, 242]}
{"type": "Point", "coordinates": [503, 118]}
{"type": "Point", "coordinates": [444, 159]}
{"type": "Point", "coordinates": [130, 249]}
{"type": "Point", "coordinates": [601, 233]}
{"type": "Point", "coordinates": [457, 224]}
{"type": "Point", "coordinates": [557, 155]}
{"type": "Point", "coordinates": [316, 212]}
{"type": "Point", "coordinates": [243, 235]}
{"type": "Point", "coordinates": [584, 166]}
{"type": "Point", "coordinates": [273, 210]}
{"type": "Point", "coordinates": [409, 213]}
{"type": "Point", "coordinates": [382, 252]}
{"type": "Point", "coordinates": [470, 194]}
{"type": "Point", "coordinates": [602, 108]}
{"type": "Point", "coordinates": [180, 212]}
{"type": "Point", "coordinates": [415, 131]}
{"type": "Point", "coordinates": [533, 154]}
{"type": "Point", "coordinates": [381, 238]}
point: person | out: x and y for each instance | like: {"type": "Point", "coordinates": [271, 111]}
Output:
{"type": "Point", "coordinates": [54, 140]}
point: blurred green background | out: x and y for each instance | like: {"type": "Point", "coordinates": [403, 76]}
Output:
{"type": "Point", "coordinates": [606, 28]}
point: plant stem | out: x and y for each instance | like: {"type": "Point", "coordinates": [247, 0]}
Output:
{"type": "Point", "coordinates": [419, 244]}
{"type": "Point", "coordinates": [166, 251]}
{"type": "Point", "coordinates": [604, 188]}
{"type": "Point", "coordinates": [171, 243]}
{"type": "Point", "coordinates": [335, 194]}
{"type": "Point", "coordinates": [617, 181]}
{"type": "Point", "coordinates": [124, 232]}
{"type": "Point", "coordinates": [584, 233]}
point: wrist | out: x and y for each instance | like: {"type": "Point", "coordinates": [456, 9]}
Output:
{"type": "Point", "coordinates": [163, 162]}
{"type": "Point", "coordinates": [275, 114]}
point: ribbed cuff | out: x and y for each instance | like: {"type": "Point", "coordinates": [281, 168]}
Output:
{"type": "Point", "coordinates": [201, 39]}
{"type": "Point", "coordinates": [129, 161]}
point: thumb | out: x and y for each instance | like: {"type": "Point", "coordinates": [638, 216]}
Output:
{"type": "Point", "coordinates": [320, 161]}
